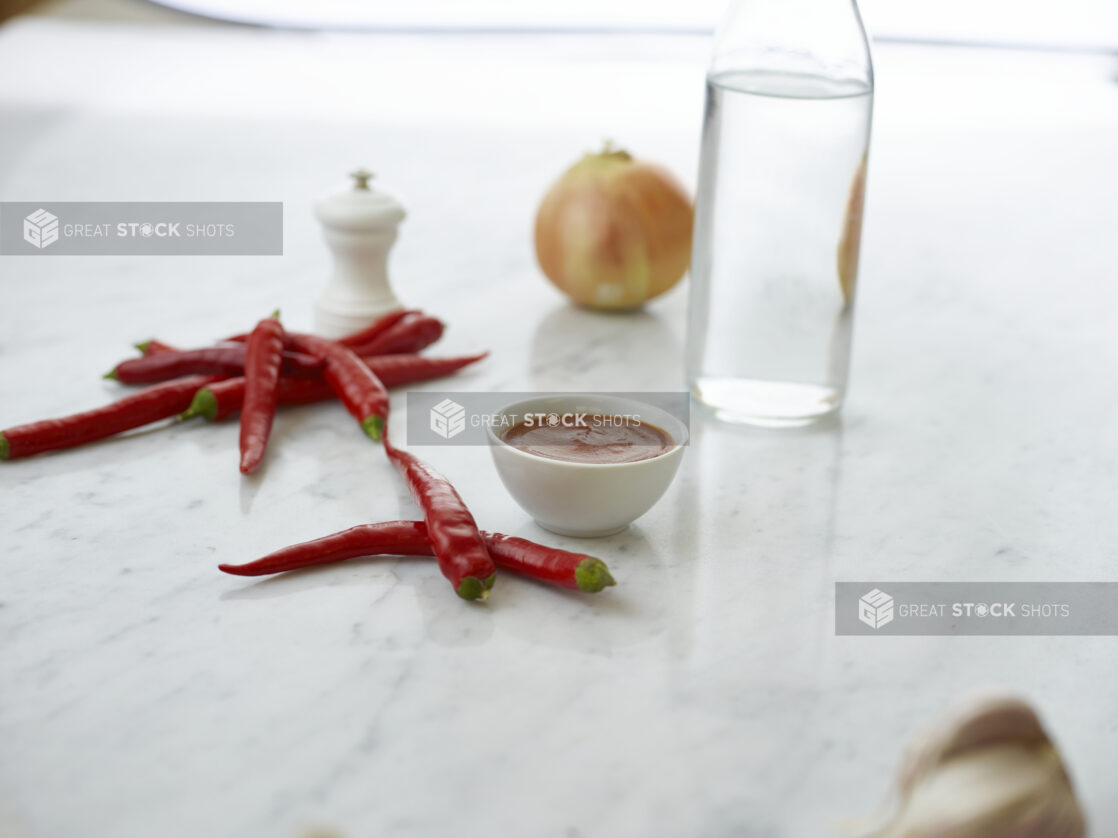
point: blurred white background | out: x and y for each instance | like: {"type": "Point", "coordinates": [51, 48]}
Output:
{"type": "Point", "coordinates": [1075, 24]}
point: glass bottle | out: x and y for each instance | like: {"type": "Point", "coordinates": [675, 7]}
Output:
{"type": "Point", "coordinates": [778, 218]}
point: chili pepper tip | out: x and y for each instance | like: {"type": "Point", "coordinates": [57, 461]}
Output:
{"type": "Point", "coordinates": [143, 346]}
{"type": "Point", "coordinates": [592, 575]}
{"type": "Point", "coordinates": [3, 447]}
{"type": "Point", "coordinates": [204, 404]}
{"type": "Point", "coordinates": [373, 426]}
{"type": "Point", "coordinates": [473, 588]}
{"type": "Point", "coordinates": [111, 375]}
{"type": "Point", "coordinates": [275, 314]}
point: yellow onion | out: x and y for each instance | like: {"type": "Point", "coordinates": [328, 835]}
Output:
{"type": "Point", "coordinates": [614, 232]}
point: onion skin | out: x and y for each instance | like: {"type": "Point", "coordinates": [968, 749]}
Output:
{"type": "Point", "coordinates": [614, 232]}
{"type": "Point", "coordinates": [850, 242]}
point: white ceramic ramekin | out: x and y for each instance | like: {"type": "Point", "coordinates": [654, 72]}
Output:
{"type": "Point", "coordinates": [585, 499]}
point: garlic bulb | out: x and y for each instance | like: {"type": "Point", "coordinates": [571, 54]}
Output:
{"type": "Point", "coordinates": [988, 770]}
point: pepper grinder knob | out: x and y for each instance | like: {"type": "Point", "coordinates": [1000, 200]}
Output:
{"type": "Point", "coordinates": [361, 179]}
{"type": "Point", "coordinates": [360, 226]}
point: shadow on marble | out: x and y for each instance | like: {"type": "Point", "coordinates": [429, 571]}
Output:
{"type": "Point", "coordinates": [289, 424]}
{"type": "Point", "coordinates": [249, 487]}
{"type": "Point", "coordinates": [640, 609]}
{"type": "Point", "coordinates": [447, 620]}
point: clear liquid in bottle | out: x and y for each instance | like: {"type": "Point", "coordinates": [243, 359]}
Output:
{"type": "Point", "coordinates": [777, 232]}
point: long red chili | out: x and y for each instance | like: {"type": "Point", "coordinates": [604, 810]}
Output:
{"type": "Point", "coordinates": [224, 398]}
{"type": "Point", "coordinates": [401, 332]}
{"type": "Point", "coordinates": [412, 333]}
{"type": "Point", "coordinates": [210, 360]}
{"type": "Point", "coordinates": [576, 571]}
{"type": "Point", "coordinates": [357, 338]}
{"type": "Point", "coordinates": [263, 363]}
{"type": "Point", "coordinates": [363, 394]}
{"type": "Point", "coordinates": [458, 545]}
{"type": "Point", "coordinates": [374, 331]}
{"type": "Point", "coordinates": [149, 405]}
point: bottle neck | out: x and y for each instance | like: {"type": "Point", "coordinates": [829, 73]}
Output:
{"type": "Point", "coordinates": [820, 41]}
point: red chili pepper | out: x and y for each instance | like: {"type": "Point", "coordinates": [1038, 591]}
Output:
{"type": "Point", "coordinates": [363, 394]}
{"type": "Point", "coordinates": [211, 360]}
{"type": "Point", "coordinates": [150, 347]}
{"type": "Point", "coordinates": [263, 362]}
{"type": "Point", "coordinates": [150, 405]}
{"type": "Point", "coordinates": [401, 332]}
{"type": "Point", "coordinates": [410, 334]}
{"type": "Point", "coordinates": [374, 331]}
{"type": "Point", "coordinates": [458, 545]}
{"type": "Point", "coordinates": [223, 399]}
{"type": "Point", "coordinates": [576, 571]}
{"type": "Point", "coordinates": [355, 338]}
{"type": "Point", "coordinates": [397, 370]}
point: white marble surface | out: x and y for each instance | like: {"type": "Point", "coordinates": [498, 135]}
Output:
{"type": "Point", "coordinates": [143, 693]}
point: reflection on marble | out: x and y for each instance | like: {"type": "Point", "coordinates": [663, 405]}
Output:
{"type": "Point", "coordinates": [640, 342]}
{"type": "Point", "coordinates": [143, 693]}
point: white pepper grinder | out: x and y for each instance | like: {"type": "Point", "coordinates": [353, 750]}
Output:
{"type": "Point", "coordinates": [360, 225]}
